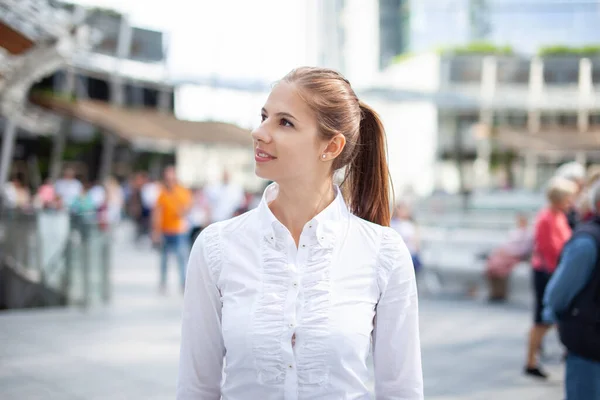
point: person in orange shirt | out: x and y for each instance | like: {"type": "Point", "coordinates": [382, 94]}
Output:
{"type": "Point", "coordinates": [170, 228]}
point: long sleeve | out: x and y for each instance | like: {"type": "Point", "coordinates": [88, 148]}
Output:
{"type": "Point", "coordinates": [396, 343]}
{"type": "Point", "coordinates": [573, 272]}
{"type": "Point", "coordinates": [202, 349]}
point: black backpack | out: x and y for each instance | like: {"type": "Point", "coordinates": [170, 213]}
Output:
{"type": "Point", "coordinates": [579, 325]}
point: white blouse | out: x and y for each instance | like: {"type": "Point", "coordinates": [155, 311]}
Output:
{"type": "Point", "coordinates": [297, 322]}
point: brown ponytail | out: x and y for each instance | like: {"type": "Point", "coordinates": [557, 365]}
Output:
{"type": "Point", "coordinates": [366, 183]}
{"type": "Point", "coordinates": [367, 179]}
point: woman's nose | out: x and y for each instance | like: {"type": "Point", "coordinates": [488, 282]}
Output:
{"type": "Point", "coordinates": [261, 133]}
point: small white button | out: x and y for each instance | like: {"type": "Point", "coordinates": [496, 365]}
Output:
{"type": "Point", "coordinates": [310, 226]}
{"type": "Point", "coordinates": [295, 284]}
{"type": "Point", "coordinates": [303, 245]}
{"type": "Point", "coordinates": [290, 366]}
{"type": "Point", "coordinates": [291, 325]}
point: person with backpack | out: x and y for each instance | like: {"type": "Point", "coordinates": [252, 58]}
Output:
{"type": "Point", "coordinates": [572, 298]}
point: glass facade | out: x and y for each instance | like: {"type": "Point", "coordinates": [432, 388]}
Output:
{"type": "Point", "coordinates": [525, 25]}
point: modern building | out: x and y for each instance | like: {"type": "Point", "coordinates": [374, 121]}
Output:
{"type": "Point", "coordinates": [112, 103]}
{"type": "Point", "coordinates": [489, 121]}
{"type": "Point", "coordinates": [357, 37]}
{"type": "Point", "coordinates": [427, 98]}
{"type": "Point", "coordinates": [125, 67]}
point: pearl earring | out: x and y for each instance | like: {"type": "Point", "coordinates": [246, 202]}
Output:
{"type": "Point", "coordinates": [323, 156]}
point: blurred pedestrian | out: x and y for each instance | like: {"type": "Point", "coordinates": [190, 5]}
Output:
{"type": "Point", "coordinates": [46, 195]}
{"type": "Point", "coordinates": [68, 188]}
{"type": "Point", "coordinates": [573, 297]}
{"type": "Point", "coordinates": [506, 257]}
{"type": "Point", "coordinates": [114, 201]}
{"type": "Point", "coordinates": [97, 194]}
{"type": "Point", "coordinates": [136, 209]}
{"type": "Point", "coordinates": [225, 198]}
{"type": "Point", "coordinates": [292, 292]}
{"type": "Point", "coordinates": [586, 203]}
{"type": "Point", "coordinates": [84, 204]}
{"type": "Point", "coordinates": [551, 233]}
{"type": "Point", "coordinates": [403, 223]}
{"type": "Point", "coordinates": [170, 227]}
{"type": "Point", "coordinates": [574, 172]}
{"type": "Point", "coordinates": [199, 216]}
{"type": "Point", "coordinates": [16, 193]}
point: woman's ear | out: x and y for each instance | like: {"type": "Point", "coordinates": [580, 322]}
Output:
{"type": "Point", "coordinates": [334, 148]}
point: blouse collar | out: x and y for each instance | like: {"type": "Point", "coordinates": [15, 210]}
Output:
{"type": "Point", "coordinates": [323, 224]}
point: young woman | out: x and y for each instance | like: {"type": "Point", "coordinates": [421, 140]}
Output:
{"type": "Point", "coordinates": [291, 293]}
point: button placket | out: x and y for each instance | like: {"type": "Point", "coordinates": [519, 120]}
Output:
{"type": "Point", "coordinates": [290, 309]}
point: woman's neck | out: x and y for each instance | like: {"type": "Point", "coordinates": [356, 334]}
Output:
{"type": "Point", "coordinates": [295, 205]}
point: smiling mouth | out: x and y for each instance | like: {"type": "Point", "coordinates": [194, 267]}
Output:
{"type": "Point", "coordinates": [260, 155]}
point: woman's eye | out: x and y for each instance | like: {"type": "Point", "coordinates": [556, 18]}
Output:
{"type": "Point", "coordinates": [263, 117]}
{"type": "Point", "coordinates": [287, 123]}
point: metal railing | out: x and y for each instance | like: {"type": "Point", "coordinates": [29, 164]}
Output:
{"type": "Point", "coordinates": [66, 253]}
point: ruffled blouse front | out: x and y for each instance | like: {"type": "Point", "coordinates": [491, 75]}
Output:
{"type": "Point", "coordinates": [264, 319]}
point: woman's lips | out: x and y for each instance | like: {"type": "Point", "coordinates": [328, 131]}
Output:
{"type": "Point", "coordinates": [263, 156]}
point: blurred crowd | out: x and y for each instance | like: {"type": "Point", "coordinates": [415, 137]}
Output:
{"type": "Point", "coordinates": [97, 201]}
{"type": "Point", "coordinates": [211, 203]}
{"type": "Point", "coordinates": [109, 201]}
{"type": "Point", "coordinates": [568, 191]}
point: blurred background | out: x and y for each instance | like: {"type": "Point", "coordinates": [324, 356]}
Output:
{"type": "Point", "coordinates": [482, 101]}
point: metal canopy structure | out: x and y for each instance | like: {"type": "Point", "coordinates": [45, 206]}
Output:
{"type": "Point", "coordinates": [36, 39]}
{"type": "Point", "coordinates": [141, 125]}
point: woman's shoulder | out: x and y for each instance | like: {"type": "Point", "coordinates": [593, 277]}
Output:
{"type": "Point", "coordinates": [388, 241]}
{"type": "Point", "coordinates": [391, 253]}
{"type": "Point", "coordinates": [244, 225]}
{"type": "Point", "coordinates": [213, 241]}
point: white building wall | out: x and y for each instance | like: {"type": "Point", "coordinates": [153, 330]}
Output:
{"type": "Point", "coordinates": [420, 73]}
{"type": "Point", "coordinates": [361, 50]}
{"type": "Point", "coordinates": [411, 129]}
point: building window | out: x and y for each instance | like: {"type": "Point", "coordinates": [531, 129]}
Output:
{"type": "Point", "coordinates": [513, 71]}
{"type": "Point", "coordinates": [562, 120]}
{"type": "Point", "coordinates": [567, 120]}
{"type": "Point", "coordinates": [517, 119]}
{"type": "Point", "coordinates": [561, 70]}
{"type": "Point", "coordinates": [465, 69]}
{"type": "Point", "coordinates": [512, 119]}
{"type": "Point", "coordinates": [394, 21]}
{"type": "Point", "coordinates": [596, 71]}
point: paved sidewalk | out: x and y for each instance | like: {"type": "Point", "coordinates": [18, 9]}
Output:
{"type": "Point", "coordinates": [471, 350]}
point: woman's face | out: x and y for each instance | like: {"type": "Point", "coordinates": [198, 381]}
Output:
{"type": "Point", "coordinates": [566, 203]}
{"type": "Point", "coordinates": [287, 143]}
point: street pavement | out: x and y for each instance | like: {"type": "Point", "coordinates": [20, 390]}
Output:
{"type": "Point", "coordinates": [129, 350]}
